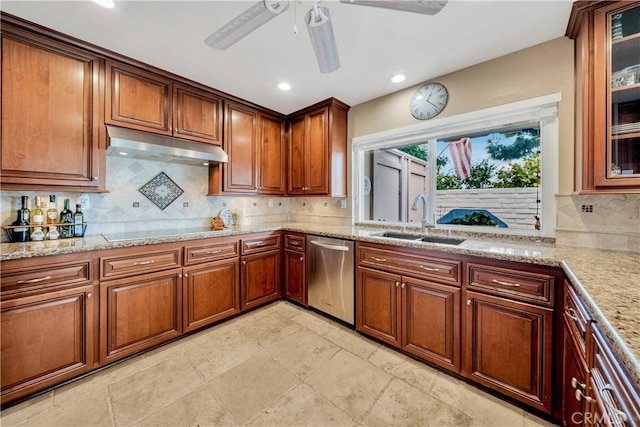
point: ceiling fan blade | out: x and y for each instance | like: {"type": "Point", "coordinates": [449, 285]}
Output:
{"type": "Point", "coordinates": [248, 21]}
{"type": "Point", "coordinates": [320, 30]}
{"type": "Point", "coordinates": [425, 7]}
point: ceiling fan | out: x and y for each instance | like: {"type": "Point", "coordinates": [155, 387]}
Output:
{"type": "Point", "coordinates": [318, 21]}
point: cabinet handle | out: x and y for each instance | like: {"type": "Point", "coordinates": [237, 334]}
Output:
{"type": "Point", "coordinates": [468, 302]}
{"type": "Point", "coordinates": [186, 274]}
{"type": "Point", "coordinates": [622, 415]}
{"type": "Point", "coordinates": [428, 268]}
{"type": "Point", "coordinates": [580, 395]}
{"type": "Point", "coordinates": [571, 313]}
{"type": "Point", "coordinates": [244, 262]}
{"type": "Point", "coordinates": [378, 259]}
{"type": "Point", "coordinates": [301, 258]}
{"type": "Point", "coordinates": [294, 243]}
{"type": "Point", "coordinates": [40, 279]}
{"type": "Point", "coordinates": [89, 295]}
{"type": "Point", "coordinates": [259, 244]}
{"type": "Point", "coordinates": [179, 275]}
{"type": "Point", "coordinates": [575, 383]}
{"type": "Point", "coordinates": [144, 262]}
{"type": "Point", "coordinates": [213, 252]}
{"type": "Point", "coordinates": [403, 285]}
{"type": "Point", "coordinates": [500, 282]}
{"type": "Point", "coordinates": [397, 284]}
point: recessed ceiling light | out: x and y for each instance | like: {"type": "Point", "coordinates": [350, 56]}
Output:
{"type": "Point", "coordinates": [398, 78]}
{"type": "Point", "coordinates": [205, 164]}
{"type": "Point", "coordinates": [284, 86]}
{"type": "Point", "coordinates": [123, 153]}
{"type": "Point", "coordinates": [105, 3]}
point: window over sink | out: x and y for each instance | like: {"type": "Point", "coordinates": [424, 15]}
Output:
{"type": "Point", "coordinates": [495, 167]}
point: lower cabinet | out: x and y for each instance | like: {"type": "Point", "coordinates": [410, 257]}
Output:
{"type": "Point", "coordinates": [295, 288]}
{"type": "Point", "coordinates": [574, 386]}
{"type": "Point", "coordinates": [210, 293]}
{"type": "Point", "coordinates": [418, 316]}
{"type": "Point", "coordinates": [139, 312]}
{"type": "Point", "coordinates": [260, 277]}
{"type": "Point", "coordinates": [508, 347]}
{"type": "Point", "coordinates": [46, 338]}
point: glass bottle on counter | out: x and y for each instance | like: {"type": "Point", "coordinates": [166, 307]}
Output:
{"type": "Point", "coordinates": [78, 219]}
{"type": "Point", "coordinates": [20, 234]}
{"type": "Point", "coordinates": [52, 212]}
{"type": "Point", "coordinates": [25, 209]}
{"type": "Point", "coordinates": [66, 217]}
{"type": "Point", "coordinates": [37, 216]}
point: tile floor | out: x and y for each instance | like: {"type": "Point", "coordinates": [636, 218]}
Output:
{"type": "Point", "coordinates": [277, 366]}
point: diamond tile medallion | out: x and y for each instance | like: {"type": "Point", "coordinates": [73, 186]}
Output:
{"type": "Point", "coordinates": [161, 190]}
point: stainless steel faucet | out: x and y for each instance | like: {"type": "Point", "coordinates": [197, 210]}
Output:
{"type": "Point", "coordinates": [425, 225]}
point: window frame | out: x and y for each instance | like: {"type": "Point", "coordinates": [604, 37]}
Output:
{"type": "Point", "coordinates": [543, 109]}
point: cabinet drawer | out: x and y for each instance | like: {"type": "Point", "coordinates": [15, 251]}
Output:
{"type": "Point", "coordinates": [616, 396]}
{"type": "Point", "coordinates": [210, 252]}
{"type": "Point", "coordinates": [261, 243]}
{"type": "Point", "coordinates": [519, 285]}
{"type": "Point", "coordinates": [576, 318]}
{"type": "Point", "coordinates": [44, 277]}
{"type": "Point", "coordinates": [129, 265]}
{"type": "Point", "coordinates": [446, 271]}
{"type": "Point", "coordinates": [294, 242]}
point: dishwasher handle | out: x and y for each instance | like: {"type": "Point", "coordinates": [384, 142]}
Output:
{"type": "Point", "coordinates": [330, 247]}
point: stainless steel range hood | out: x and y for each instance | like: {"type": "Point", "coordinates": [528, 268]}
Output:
{"type": "Point", "coordinates": [148, 146]}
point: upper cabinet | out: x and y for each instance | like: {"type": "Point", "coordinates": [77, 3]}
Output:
{"type": "Point", "coordinates": [146, 101]}
{"type": "Point", "coordinates": [271, 155]}
{"type": "Point", "coordinates": [607, 48]}
{"type": "Point", "coordinates": [52, 136]}
{"type": "Point", "coordinates": [317, 161]}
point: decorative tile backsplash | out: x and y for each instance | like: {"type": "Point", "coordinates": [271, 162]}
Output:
{"type": "Point", "coordinates": [161, 190]}
{"type": "Point", "coordinates": [124, 208]}
{"type": "Point", "coordinates": [610, 221]}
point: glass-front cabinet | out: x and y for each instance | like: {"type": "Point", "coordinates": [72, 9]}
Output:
{"type": "Point", "coordinates": [607, 36]}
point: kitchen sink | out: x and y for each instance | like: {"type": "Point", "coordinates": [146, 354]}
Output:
{"type": "Point", "coordinates": [419, 238]}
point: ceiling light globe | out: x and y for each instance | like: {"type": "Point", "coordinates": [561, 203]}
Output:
{"type": "Point", "coordinates": [398, 78]}
{"type": "Point", "coordinates": [284, 86]}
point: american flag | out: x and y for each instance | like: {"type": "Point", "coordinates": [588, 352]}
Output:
{"type": "Point", "coordinates": [461, 156]}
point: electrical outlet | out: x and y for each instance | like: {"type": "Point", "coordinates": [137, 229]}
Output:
{"type": "Point", "coordinates": [185, 204]}
{"type": "Point", "coordinates": [136, 204]}
{"type": "Point", "coordinates": [587, 208]}
{"type": "Point", "coordinates": [343, 204]}
{"type": "Point", "coordinates": [270, 203]}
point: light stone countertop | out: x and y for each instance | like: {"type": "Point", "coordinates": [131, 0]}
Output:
{"type": "Point", "coordinates": [607, 281]}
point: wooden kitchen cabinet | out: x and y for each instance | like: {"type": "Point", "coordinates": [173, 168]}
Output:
{"type": "Point", "coordinates": [317, 154]}
{"type": "Point", "coordinates": [139, 312]}
{"type": "Point", "coordinates": [52, 133]}
{"type": "Point", "coordinates": [607, 52]}
{"type": "Point", "coordinates": [146, 101]}
{"type": "Point", "coordinates": [260, 274]}
{"type": "Point", "coordinates": [399, 301]}
{"type": "Point", "coordinates": [574, 384]}
{"type": "Point", "coordinates": [295, 277]}
{"type": "Point", "coordinates": [508, 347]}
{"type": "Point", "coordinates": [211, 282]}
{"type": "Point", "coordinates": [48, 322]}
{"type": "Point", "coordinates": [271, 156]}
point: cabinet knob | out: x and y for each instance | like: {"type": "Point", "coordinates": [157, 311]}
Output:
{"type": "Point", "coordinates": [575, 383]}
{"type": "Point", "coordinates": [180, 276]}
{"type": "Point", "coordinates": [244, 262]}
{"type": "Point", "coordinates": [403, 285]}
{"type": "Point", "coordinates": [95, 178]}
{"type": "Point", "coordinates": [186, 274]}
{"type": "Point", "coordinates": [397, 284]}
{"type": "Point", "coordinates": [89, 295]}
{"type": "Point", "coordinates": [301, 258]}
{"type": "Point", "coordinates": [468, 302]}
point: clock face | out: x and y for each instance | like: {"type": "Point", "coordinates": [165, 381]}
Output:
{"type": "Point", "coordinates": [428, 101]}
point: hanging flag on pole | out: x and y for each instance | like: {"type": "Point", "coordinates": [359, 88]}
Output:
{"type": "Point", "coordinates": [461, 156]}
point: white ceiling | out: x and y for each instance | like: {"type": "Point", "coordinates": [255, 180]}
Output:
{"type": "Point", "coordinates": [373, 43]}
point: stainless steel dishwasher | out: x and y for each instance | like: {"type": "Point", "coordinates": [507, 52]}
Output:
{"type": "Point", "coordinates": [330, 280]}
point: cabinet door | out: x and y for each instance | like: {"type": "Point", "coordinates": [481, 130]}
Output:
{"type": "Point", "coordinates": [317, 152]}
{"type": "Point", "coordinates": [296, 161]}
{"type": "Point", "coordinates": [46, 339]}
{"type": "Point", "coordinates": [138, 99]}
{"type": "Point", "coordinates": [295, 284]}
{"type": "Point", "coordinates": [240, 136]}
{"type": "Point", "coordinates": [260, 279]}
{"type": "Point", "coordinates": [271, 156]}
{"type": "Point", "coordinates": [507, 347]}
{"type": "Point", "coordinates": [138, 313]}
{"type": "Point", "coordinates": [51, 103]}
{"type": "Point", "coordinates": [211, 293]}
{"type": "Point", "coordinates": [431, 322]}
{"type": "Point", "coordinates": [574, 383]}
{"type": "Point", "coordinates": [197, 115]}
{"type": "Point", "coordinates": [378, 305]}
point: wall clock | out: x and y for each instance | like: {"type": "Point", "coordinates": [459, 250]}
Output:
{"type": "Point", "coordinates": [428, 101]}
